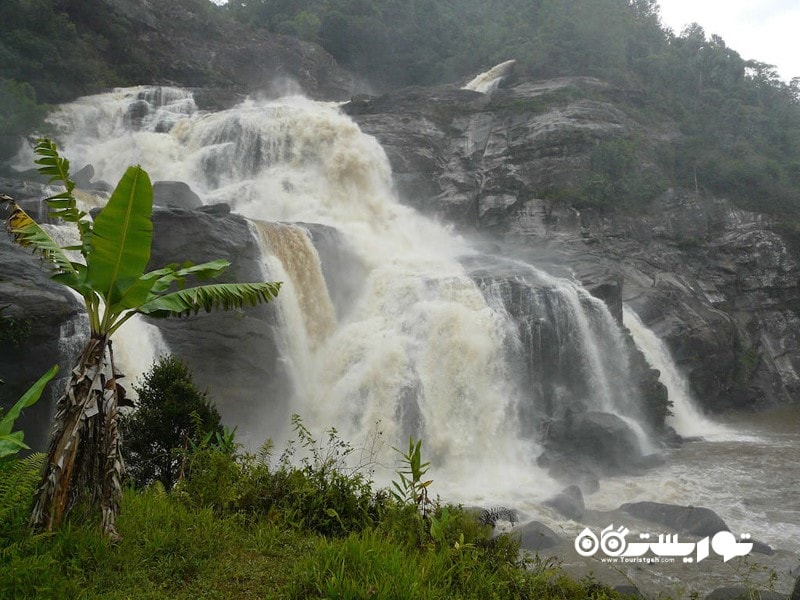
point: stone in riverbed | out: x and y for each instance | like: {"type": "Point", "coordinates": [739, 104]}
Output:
{"type": "Point", "coordinates": [694, 520]}
{"type": "Point", "coordinates": [568, 502]}
{"type": "Point", "coordinates": [536, 536]}
{"type": "Point", "coordinates": [175, 194]}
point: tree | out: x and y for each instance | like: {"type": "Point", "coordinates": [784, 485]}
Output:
{"type": "Point", "coordinates": [84, 457]}
{"type": "Point", "coordinates": [170, 413]}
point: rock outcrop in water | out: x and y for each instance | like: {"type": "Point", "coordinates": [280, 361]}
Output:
{"type": "Point", "coordinates": [717, 282]}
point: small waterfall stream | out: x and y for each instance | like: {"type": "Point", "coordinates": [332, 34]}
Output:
{"type": "Point", "coordinates": [686, 418]}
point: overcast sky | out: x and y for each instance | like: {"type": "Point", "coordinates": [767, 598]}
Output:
{"type": "Point", "coordinates": [764, 30]}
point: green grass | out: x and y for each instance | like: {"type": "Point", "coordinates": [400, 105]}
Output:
{"type": "Point", "coordinates": [182, 545]}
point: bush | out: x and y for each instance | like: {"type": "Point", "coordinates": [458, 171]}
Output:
{"type": "Point", "coordinates": [317, 493]}
{"type": "Point", "coordinates": [171, 414]}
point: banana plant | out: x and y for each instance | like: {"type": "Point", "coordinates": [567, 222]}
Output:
{"type": "Point", "coordinates": [84, 456]}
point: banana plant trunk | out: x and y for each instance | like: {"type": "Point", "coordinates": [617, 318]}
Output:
{"type": "Point", "coordinates": [84, 459]}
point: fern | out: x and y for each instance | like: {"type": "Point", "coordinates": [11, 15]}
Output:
{"type": "Point", "coordinates": [18, 480]}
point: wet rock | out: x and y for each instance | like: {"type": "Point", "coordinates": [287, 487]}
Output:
{"type": "Point", "coordinates": [536, 536]}
{"type": "Point", "coordinates": [569, 502]}
{"type": "Point", "coordinates": [233, 354]}
{"type": "Point", "coordinates": [630, 590]}
{"type": "Point", "coordinates": [596, 438]}
{"type": "Point", "coordinates": [83, 177]}
{"type": "Point", "coordinates": [343, 270]}
{"type": "Point", "coordinates": [136, 113]}
{"type": "Point", "coordinates": [40, 322]}
{"type": "Point", "coordinates": [762, 548]}
{"type": "Point", "coordinates": [692, 520]}
{"type": "Point", "coordinates": [176, 194]}
{"type": "Point", "coordinates": [609, 292]}
{"type": "Point", "coordinates": [743, 593]}
{"type": "Point", "coordinates": [221, 208]}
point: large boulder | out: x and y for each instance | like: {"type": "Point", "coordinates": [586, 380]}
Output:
{"type": "Point", "coordinates": [602, 440]}
{"type": "Point", "coordinates": [175, 194]}
{"type": "Point", "coordinates": [234, 354]}
{"type": "Point", "coordinates": [693, 520]}
{"type": "Point", "coordinates": [568, 502]}
{"type": "Point", "coordinates": [536, 536]}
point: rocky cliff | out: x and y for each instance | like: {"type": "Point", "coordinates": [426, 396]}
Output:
{"type": "Point", "coordinates": [192, 44]}
{"type": "Point", "coordinates": [720, 284]}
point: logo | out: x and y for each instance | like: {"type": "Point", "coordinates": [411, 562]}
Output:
{"type": "Point", "coordinates": [613, 544]}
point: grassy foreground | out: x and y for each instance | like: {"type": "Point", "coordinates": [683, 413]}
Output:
{"type": "Point", "coordinates": [238, 527]}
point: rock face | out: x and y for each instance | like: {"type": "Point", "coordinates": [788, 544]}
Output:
{"type": "Point", "coordinates": [40, 326]}
{"type": "Point", "coordinates": [719, 284]}
{"type": "Point", "coordinates": [212, 344]}
{"type": "Point", "coordinates": [183, 43]}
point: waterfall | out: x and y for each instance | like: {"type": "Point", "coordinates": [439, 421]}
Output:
{"type": "Point", "coordinates": [426, 346]}
{"type": "Point", "coordinates": [686, 418]}
{"type": "Point", "coordinates": [575, 356]}
{"type": "Point", "coordinates": [487, 82]}
{"type": "Point", "coordinates": [292, 246]}
{"type": "Point", "coordinates": [137, 345]}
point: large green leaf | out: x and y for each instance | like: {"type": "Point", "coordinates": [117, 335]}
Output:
{"type": "Point", "coordinates": [223, 296]}
{"type": "Point", "coordinates": [12, 443]}
{"type": "Point", "coordinates": [122, 236]}
{"type": "Point", "coordinates": [28, 398]}
{"type": "Point", "coordinates": [157, 282]}
{"type": "Point", "coordinates": [29, 234]}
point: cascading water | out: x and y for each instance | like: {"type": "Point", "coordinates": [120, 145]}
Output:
{"type": "Point", "coordinates": [575, 356]}
{"type": "Point", "coordinates": [425, 347]}
{"type": "Point", "coordinates": [487, 82]}
{"type": "Point", "coordinates": [686, 418]}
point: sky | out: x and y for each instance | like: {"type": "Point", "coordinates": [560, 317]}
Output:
{"type": "Point", "coordinates": [763, 30]}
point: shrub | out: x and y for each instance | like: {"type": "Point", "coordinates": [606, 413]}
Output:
{"type": "Point", "coordinates": [171, 414]}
